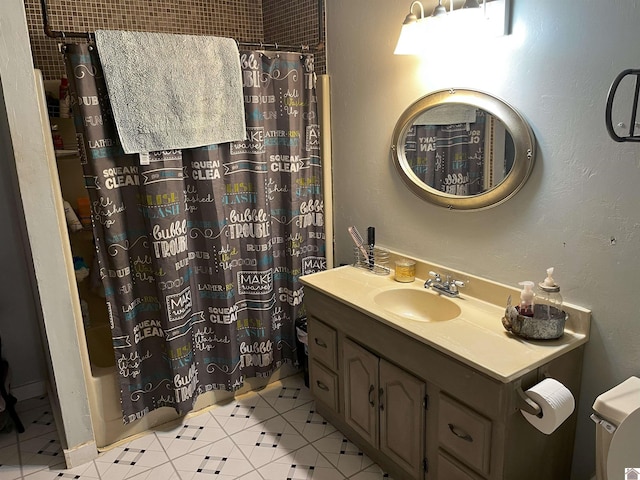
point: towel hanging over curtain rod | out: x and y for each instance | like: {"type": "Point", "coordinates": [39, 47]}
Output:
{"type": "Point", "coordinates": [261, 45]}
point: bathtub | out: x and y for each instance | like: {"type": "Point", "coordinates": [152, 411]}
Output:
{"type": "Point", "coordinates": [103, 390]}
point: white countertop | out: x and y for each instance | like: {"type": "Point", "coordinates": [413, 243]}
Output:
{"type": "Point", "coordinates": [476, 337]}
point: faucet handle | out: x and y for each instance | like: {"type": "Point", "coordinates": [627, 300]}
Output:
{"type": "Point", "coordinates": [435, 275]}
{"type": "Point", "coordinates": [455, 284]}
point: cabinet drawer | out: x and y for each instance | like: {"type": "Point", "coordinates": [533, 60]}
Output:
{"type": "Point", "coordinates": [323, 344]}
{"type": "Point", "coordinates": [324, 385]}
{"type": "Point", "coordinates": [464, 433]}
{"type": "Point", "coordinates": [447, 470]}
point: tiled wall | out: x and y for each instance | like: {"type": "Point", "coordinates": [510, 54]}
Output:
{"type": "Point", "coordinates": [294, 23]}
{"type": "Point", "coordinates": [289, 21]}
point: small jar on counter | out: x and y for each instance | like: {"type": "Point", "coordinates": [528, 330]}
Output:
{"type": "Point", "coordinates": [405, 270]}
{"type": "Point", "coordinates": [548, 299]}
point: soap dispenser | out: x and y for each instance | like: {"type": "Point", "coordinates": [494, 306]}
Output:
{"type": "Point", "coordinates": [549, 298]}
{"type": "Point", "coordinates": [526, 298]}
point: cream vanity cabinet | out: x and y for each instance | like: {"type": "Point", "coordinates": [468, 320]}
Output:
{"type": "Point", "coordinates": [422, 414]}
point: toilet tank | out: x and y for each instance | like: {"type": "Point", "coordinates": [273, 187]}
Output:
{"type": "Point", "coordinates": [617, 420]}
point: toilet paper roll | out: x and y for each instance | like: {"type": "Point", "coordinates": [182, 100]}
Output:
{"type": "Point", "coordinates": [555, 400]}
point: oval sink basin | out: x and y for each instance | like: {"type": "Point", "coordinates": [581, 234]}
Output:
{"type": "Point", "coordinates": [417, 305]}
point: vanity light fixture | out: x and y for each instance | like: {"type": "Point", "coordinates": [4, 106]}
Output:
{"type": "Point", "coordinates": [412, 33]}
{"type": "Point", "coordinates": [439, 11]}
{"type": "Point", "coordinates": [415, 30]}
{"type": "Point", "coordinates": [468, 21]}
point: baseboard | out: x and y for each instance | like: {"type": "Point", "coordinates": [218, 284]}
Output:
{"type": "Point", "coordinates": [80, 454]}
{"type": "Point", "coordinates": [29, 390]}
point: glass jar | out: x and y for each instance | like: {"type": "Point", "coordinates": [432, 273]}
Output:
{"type": "Point", "coordinates": [405, 270]}
{"type": "Point", "coordinates": [548, 302]}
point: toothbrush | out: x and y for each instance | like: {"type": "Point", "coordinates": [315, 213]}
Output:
{"type": "Point", "coordinates": [357, 239]}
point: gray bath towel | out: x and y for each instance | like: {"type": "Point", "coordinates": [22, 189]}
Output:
{"type": "Point", "coordinates": [172, 91]}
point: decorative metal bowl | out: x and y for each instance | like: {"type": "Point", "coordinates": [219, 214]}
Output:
{"type": "Point", "coordinates": [547, 322]}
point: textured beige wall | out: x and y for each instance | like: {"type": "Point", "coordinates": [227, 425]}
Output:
{"type": "Point", "coordinates": [555, 69]}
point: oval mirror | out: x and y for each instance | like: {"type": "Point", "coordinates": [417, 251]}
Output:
{"type": "Point", "coordinates": [463, 149]}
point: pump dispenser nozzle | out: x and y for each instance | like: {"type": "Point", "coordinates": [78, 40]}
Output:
{"type": "Point", "coordinates": [549, 284]}
{"type": "Point", "coordinates": [526, 298]}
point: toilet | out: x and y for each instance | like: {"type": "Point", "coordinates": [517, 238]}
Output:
{"type": "Point", "coordinates": [617, 417]}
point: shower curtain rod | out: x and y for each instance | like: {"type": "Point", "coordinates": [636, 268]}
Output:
{"type": "Point", "coordinates": [89, 36]}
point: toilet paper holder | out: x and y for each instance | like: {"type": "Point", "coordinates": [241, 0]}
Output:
{"type": "Point", "coordinates": [523, 402]}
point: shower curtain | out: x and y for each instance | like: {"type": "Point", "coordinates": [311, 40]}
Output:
{"type": "Point", "coordinates": [449, 158]}
{"type": "Point", "coordinates": [200, 251]}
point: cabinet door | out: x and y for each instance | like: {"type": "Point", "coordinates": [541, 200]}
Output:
{"type": "Point", "coordinates": [402, 413]}
{"type": "Point", "coordinates": [360, 369]}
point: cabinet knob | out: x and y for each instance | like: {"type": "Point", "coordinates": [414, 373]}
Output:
{"type": "Point", "coordinates": [320, 343]}
{"type": "Point", "coordinates": [460, 433]}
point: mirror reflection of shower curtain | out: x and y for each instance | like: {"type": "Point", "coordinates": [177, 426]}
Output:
{"type": "Point", "coordinates": [201, 250]}
{"type": "Point", "coordinates": [449, 158]}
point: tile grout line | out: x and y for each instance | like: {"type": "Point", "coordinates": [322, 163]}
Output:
{"type": "Point", "coordinates": [20, 450]}
{"type": "Point", "coordinates": [256, 393]}
{"type": "Point", "coordinates": [326, 435]}
{"type": "Point", "coordinates": [95, 465]}
{"type": "Point", "coordinates": [344, 436]}
{"type": "Point", "coordinates": [167, 454]}
{"type": "Point", "coordinates": [237, 446]}
{"type": "Point", "coordinates": [308, 442]}
{"type": "Point", "coordinates": [227, 435]}
{"type": "Point", "coordinates": [234, 443]}
{"type": "Point", "coordinates": [251, 394]}
{"type": "Point", "coordinates": [311, 443]}
{"type": "Point", "coordinates": [278, 414]}
{"type": "Point", "coordinates": [20, 455]}
{"type": "Point", "coordinates": [322, 454]}
{"type": "Point", "coordinates": [44, 409]}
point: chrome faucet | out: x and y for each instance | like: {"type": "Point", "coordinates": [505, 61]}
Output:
{"type": "Point", "coordinates": [448, 288]}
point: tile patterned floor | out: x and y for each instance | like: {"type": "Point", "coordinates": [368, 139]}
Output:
{"type": "Point", "coordinates": [271, 434]}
